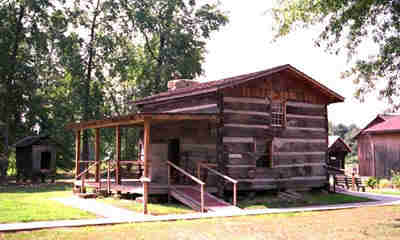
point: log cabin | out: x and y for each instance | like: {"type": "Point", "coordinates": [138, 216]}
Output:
{"type": "Point", "coordinates": [257, 131]}
{"type": "Point", "coordinates": [379, 146]}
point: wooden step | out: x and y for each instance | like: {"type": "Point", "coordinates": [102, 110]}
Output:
{"type": "Point", "coordinates": [191, 196]}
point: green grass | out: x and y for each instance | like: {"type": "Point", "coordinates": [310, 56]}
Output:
{"type": "Point", "coordinates": [154, 209]}
{"type": "Point", "coordinates": [270, 200]}
{"type": "Point", "coordinates": [387, 192]}
{"type": "Point", "coordinates": [35, 203]}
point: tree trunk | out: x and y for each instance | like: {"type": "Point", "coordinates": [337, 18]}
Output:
{"type": "Point", "coordinates": [9, 96]}
{"type": "Point", "coordinates": [87, 113]}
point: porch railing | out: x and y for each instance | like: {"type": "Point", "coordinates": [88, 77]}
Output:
{"type": "Point", "coordinates": [208, 167]}
{"type": "Point", "coordinates": [110, 168]}
{"type": "Point", "coordinates": [198, 181]}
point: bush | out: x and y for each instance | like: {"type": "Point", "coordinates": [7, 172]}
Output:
{"type": "Point", "coordinates": [395, 178]}
{"type": "Point", "coordinates": [372, 182]}
{"type": "Point", "coordinates": [384, 183]}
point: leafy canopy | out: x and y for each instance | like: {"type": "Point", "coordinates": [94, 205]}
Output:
{"type": "Point", "coordinates": [348, 25]}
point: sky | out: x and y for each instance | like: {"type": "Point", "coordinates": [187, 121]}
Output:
{"type": "Point", "coordinates": [245, 45]}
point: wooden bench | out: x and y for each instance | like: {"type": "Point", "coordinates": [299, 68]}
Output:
{"type": "Point", "coordinates": [347, 181]}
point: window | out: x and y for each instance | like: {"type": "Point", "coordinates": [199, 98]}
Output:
{"type": "Point", "coordinates": [264, 155]}
{"type": "Point", "coordinates": [278, 114]}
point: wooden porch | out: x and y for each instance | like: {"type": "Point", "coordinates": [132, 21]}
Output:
{"type": "Point", "coordinates": [134, 187]}
{"type": "Point", "coordinates": [143, 184]}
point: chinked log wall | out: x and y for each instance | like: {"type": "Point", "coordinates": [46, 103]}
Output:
{"type": "Point", "coordinates": [298, 150]}
{"type": "Point", "coordinates": [206, 103]}
{"type": "Point", "coordinates": [197, 139]}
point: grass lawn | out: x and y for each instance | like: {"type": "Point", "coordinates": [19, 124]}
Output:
{"type": "Point", "coordinates": [269, 200]}
{"type": "Point", "coordinates": [34, 203]}
{"type": "Point", "coordinates": [367, 223]}
{"type": "Point", "coordinates": [385, 191]}
{"type": "Point", "coordinates": [154, 209]}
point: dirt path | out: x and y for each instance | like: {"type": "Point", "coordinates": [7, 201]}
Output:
{"type": "Point", "coordinates": [367, 223]}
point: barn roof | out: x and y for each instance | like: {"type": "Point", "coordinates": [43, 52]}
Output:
{"type": "Point", "coordinates": [391, 124]}
{"type": "Point", "coordinates": [212, 86]}
{"type": "Point", "coordinates": [30, 140]}
{"type": "Point", "coordinates": [334, 140]}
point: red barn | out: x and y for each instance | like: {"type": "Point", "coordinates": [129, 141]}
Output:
{"type": "Point", "coordinates": [379, 146]}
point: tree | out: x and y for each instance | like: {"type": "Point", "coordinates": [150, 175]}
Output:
{"type": "Point", "coordinates": [174, 34]}
{"type": "Point", "coordinates": [27, 29]}
{"type": "Point", "coordinates": [348, 24]}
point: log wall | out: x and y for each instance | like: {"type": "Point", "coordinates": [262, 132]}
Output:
{"type": "Point", "coordinates": [206, 103]}
{"type": "Point", "coordinates": [299, 149]}
{"type": "Point", "coordinates": [197, 144]}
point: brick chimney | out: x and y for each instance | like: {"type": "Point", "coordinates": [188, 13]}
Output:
{"type": "Point", "coordinates": [181, 83]}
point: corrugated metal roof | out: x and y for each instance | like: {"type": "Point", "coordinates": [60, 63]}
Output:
{"type": "Point", "coordinates": [211, 86]}
{"type": "Point", "coordinates": [391, 124]}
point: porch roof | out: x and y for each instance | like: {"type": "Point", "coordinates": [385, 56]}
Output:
{"type": "Point", "coordinates": [139, 119]}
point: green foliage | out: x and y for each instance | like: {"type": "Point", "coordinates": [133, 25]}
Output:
{"type": "Point", "coordinates": [63, 62]}
{"type": "Point", "coordinates": [395, 178]}
{"type": "Point", "coordinates": [384, 183]}
{"type": "Point", "coordinates": [12, 165]}
{"type": "Point", "coordinates": [347, 25]}
{"type": "Point", "coordinates": [372, 182]}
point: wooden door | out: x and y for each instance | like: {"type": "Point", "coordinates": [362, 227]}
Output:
{"type": "Point", "coordinates": [174, 157]}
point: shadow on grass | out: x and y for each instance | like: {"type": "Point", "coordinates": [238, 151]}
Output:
{"type": "Point", "coordinates": [35, 188]}
{"type": "Point", "coordinates": [270, 199]}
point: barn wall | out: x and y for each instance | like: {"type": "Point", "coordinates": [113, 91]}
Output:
{"type": "Point", "coordinates": [365, 156]}
{"type": "Point", "coordinates": [387, 153]}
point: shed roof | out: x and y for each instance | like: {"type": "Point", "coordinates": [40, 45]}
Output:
{"type": "Point", "coordinates": [30, 140]}
{"type": "Point", "coordinates": [212, 86]}
{"type": "Point", "coordinates": [334, 140]}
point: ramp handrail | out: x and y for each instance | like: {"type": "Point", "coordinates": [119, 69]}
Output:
{"type": "Point", "coordinates": [206, 166]}
{"type": "Point", "coordinates": [198, 181]}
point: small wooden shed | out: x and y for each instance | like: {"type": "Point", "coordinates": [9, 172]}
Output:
{"type": "Point", "coordinates": [337, 151]}
{"type": "Point", "coordinates": [379, 146]}
{"type": "Point", "coordinates": [35, 157]}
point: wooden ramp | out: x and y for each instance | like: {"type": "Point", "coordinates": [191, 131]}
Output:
{"type": "Point", "coordinates": [191, 196]}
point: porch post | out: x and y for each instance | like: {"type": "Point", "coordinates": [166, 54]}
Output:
{"type": "Point", "coordinates": [118, 154]}
{"type": "Point", "coordinates": [97, 153]}
{"type": "Point", "coordinates": [77, 152]}
{"type": "Point", "coordinates": [146, 148]}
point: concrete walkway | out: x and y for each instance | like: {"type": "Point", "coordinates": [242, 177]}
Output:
{"type": "Point", "coordinates": [382, 200]}
{"type": "Point", "coordinates": [97, 208]}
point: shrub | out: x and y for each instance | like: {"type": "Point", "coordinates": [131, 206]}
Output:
{"type": "Point", "coordinates": [384, 183]}
{"type": "Point", "coordinates": [372, 182]}
{"type": "Point", "coordinates": [395, 178]}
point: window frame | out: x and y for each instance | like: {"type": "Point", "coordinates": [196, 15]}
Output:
{"type": "Point", "coordinates": [278, 118]}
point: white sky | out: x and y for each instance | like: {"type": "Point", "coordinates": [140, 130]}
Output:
{"type": "Point", "coordinates": [245, 46]}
